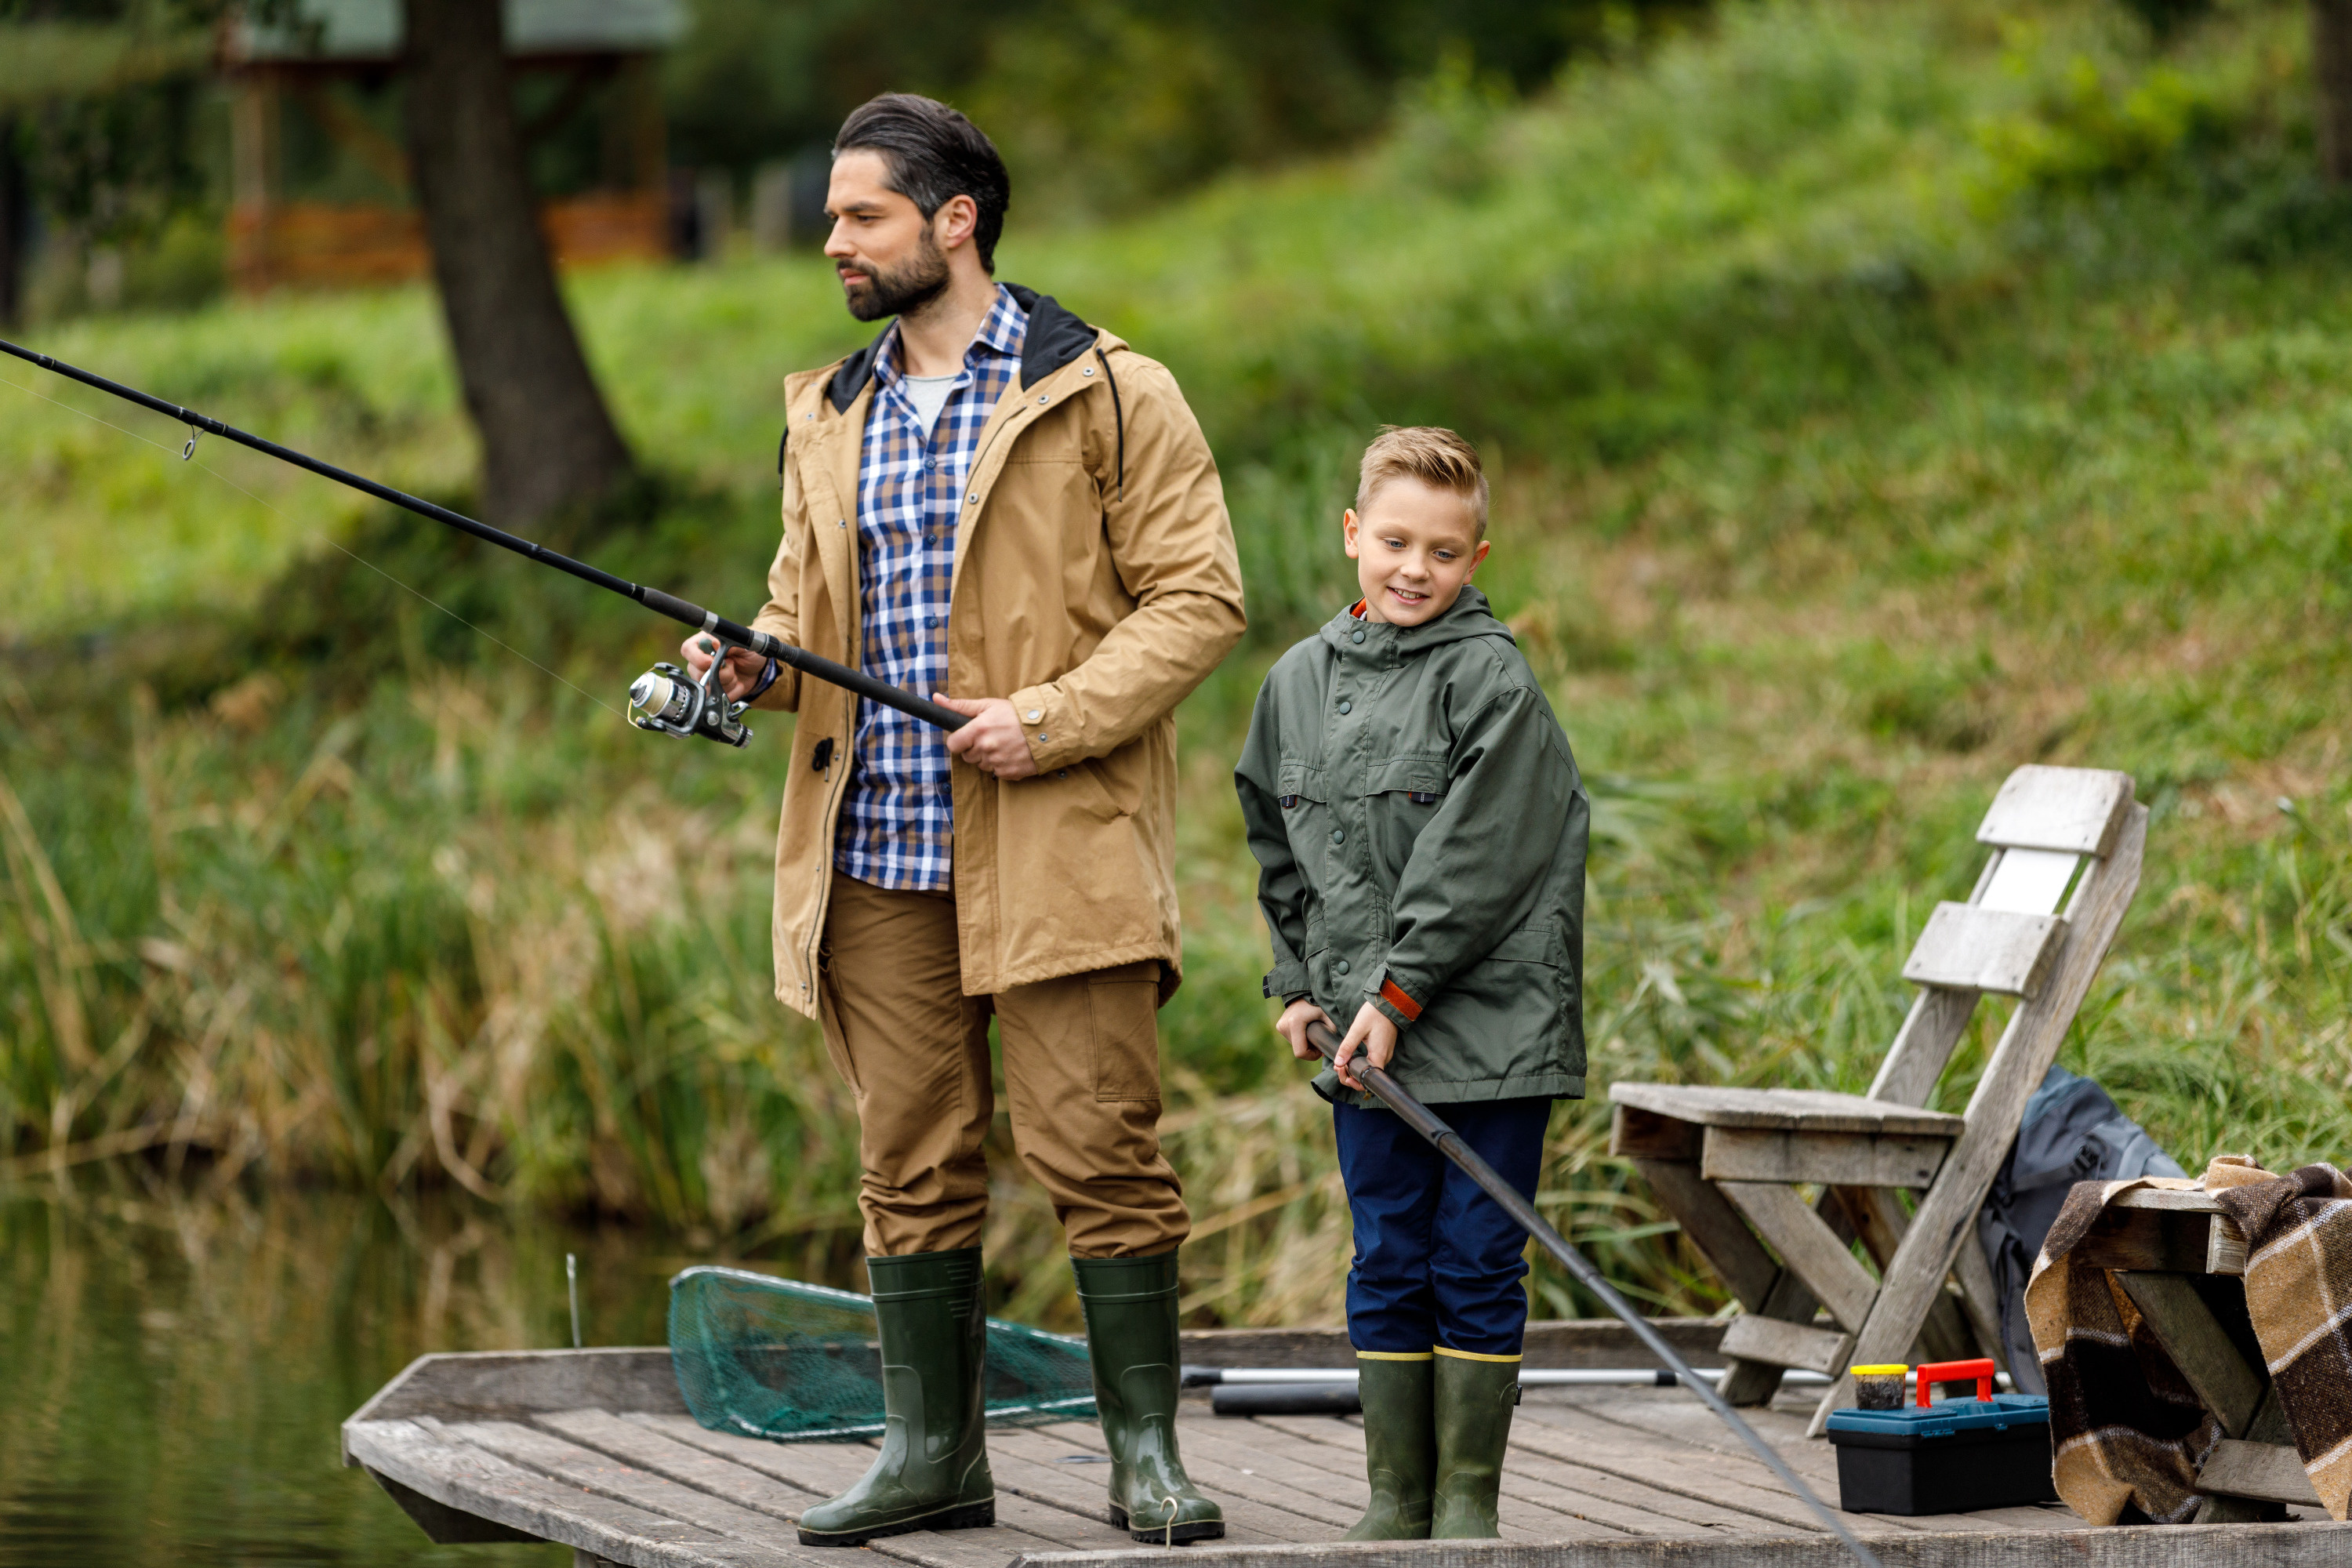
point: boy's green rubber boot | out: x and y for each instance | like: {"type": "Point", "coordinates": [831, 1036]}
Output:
{"type": "Point", "coordinates": [1473, 1404]}
{"type": "Point", "coordinates": [1131, 1307]}
{"type": "Point", "coordinates": [932, 1472]}
{"type": "Point", "coordinates": [1400, 1447]}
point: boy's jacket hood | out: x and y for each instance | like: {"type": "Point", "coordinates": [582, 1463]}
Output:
{"type": "Point", "coordinates": [1467, 617]}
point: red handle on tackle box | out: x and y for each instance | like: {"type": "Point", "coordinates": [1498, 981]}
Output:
{"type": "Point", "coordinates": [1937, 1372]}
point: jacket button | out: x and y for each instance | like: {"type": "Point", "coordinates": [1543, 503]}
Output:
{"type": "Point", "coordinates": [1355, 636]}
{"type": "Point", "coordinates": [1341, 966]}
{"type": "Point", "coordinates": [1346, 707]}
{"type": "Point", "coordinates": [1338, 835]}
{"type": "Point", "coordinates": [1036, 714]}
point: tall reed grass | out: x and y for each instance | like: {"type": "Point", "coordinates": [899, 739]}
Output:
{"type": "Point", "coordinates": [1843, 466]}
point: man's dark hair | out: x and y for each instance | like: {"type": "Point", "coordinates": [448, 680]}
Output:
{"type": "Point", "coordinates": [933, 155]}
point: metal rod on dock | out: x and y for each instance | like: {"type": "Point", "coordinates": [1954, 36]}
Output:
{"type": "Point", "coordinates": [1422, 1120]}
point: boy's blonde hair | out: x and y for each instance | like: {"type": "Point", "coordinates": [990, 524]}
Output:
{"type": "Point", "coordinates": [1430, 453]}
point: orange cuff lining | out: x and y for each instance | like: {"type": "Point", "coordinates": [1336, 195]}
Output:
{"type": "Point", "coordinates": [1394, 994]}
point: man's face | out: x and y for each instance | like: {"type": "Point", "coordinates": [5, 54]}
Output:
{"type": "Point", "coordinates": [882, 250]}
{"type": "Point", "coordinates": [1414, 547]}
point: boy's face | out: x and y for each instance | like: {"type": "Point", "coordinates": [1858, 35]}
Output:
{"type": "Point", "coordinates": [1414, 546]}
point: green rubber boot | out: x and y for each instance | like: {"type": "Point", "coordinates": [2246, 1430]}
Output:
{"type": "Point", "coordinates": [1131, 1307]}
{"type": "Point", "coordinates": [932, 1472]}
{"type": "Point", "coordinates": [1474, 1404]}
{"type": "Point", "coordinates": [1400, 1447]}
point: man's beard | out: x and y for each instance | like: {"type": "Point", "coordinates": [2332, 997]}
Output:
{"type": "Point", "coordinates": [917, 284]}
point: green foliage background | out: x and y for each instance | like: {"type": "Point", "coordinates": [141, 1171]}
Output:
{"type": "Point", "coordinates": [1881, 396]}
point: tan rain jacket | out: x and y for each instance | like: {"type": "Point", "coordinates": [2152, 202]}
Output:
{"type": "Point", "coordinates": [1095, 583]}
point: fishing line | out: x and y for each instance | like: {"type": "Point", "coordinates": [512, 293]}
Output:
{"type": "Point", "coordinates": [187, 455]}
{"type": "Point", "coordinates": [664, 699]}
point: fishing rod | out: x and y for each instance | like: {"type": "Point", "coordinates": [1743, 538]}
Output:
{"type": "Point", "coordinates": [1422, 1120]}
{"type": "Point", "coordinates": [664, 699]}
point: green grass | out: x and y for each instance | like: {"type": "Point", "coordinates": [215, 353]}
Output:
{"type": "Point", "coordinates": [1881, 397]}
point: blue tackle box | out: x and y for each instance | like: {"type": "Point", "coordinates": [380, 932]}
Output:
{"type": "Point", "coordinates": [1952, 1457]}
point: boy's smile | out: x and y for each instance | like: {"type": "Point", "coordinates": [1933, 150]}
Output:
{"type": "Point", "coordinates": [1414, 546]}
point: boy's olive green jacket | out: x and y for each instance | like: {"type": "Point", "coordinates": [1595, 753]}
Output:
{"type": "Point", "coordinates": [1420, 830]}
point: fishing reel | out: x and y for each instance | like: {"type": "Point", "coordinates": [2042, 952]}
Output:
{"type": "Point", "coordinates": [669, 701]}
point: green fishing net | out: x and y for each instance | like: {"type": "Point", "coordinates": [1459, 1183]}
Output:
{"type": "Point", "coordinates": [775, 1358]}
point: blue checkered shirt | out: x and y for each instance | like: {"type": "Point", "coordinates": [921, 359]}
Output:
{"type": "Point", "coordinates": [898, 827]}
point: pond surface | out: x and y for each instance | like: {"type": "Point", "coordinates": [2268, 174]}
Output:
{"type": "Point", "coordinates": [173, 1369]}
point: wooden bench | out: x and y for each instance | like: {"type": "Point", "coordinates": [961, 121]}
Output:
{"type": "Point", "coordinates": [1728, 1161]}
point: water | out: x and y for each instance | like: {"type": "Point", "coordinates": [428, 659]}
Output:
{"type": "Point", "coordinates": [174, 1368]}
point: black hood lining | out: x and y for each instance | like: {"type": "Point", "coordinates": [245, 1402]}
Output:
{"type": "Point", "coordinates": [1056, 338]}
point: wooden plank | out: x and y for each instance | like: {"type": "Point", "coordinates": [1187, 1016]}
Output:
{"type": "Point", "coordinates": [1638, 1134]}
{"type": "Point", "coordinates": [1668, 1465]}
{"type": "Point", "coordinates": [1714, 1227]}
{"type": "Point", "coordinates": [1851, 1159]}
{"type": "Point", "coordinates": [1947, 1213]}
{"type": "Point", "coordinates": [2178, 1200]}
{"type": "Point", "coordinates": [515, 1382]}
{"type": "Point", "coordinates": [1786, 1109]}
{"type": "Point", "coordinates": [2161, 1240]}
{"type": "Point", "coordinates": [2199, 1347]}
{"type": "Point", "coordinates": [2080, 811]}
{"type": "Point", "coordinates": [459, 1475]}
{"type": "Point", "coordinates": [1230, 1450]}
{"type": "Point", "coordinates": [1623, 1505]}
{"type": "Point", "coordinates": [2271, 1471]}
{"type": "Point", "coordinates": [820, 1470]}
{"type": "Point", "coordinates": [1780, 1343]}
{"type": "Point", "coordinates": [1026, 1463]}
{"type": "Point", "coordinates": [1922, 1045]}
{"type": "Point", "coordinates": [1807, 1244]}
{"type": "Point", "coordinates": [2143, 1546]}
{"type": "Point", "coordinates": [2225, 1246]}
{"type": "Point", "coordinates": [606, 1477]}
{"type": "Point", "coordinates": [1969, 948]}
{"type": "Point", "coordinates": [650, 1451]}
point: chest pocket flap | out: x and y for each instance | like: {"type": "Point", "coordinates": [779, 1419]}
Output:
{"type": "Point", "coordinates": [1302, 781]}
{"type": "Point", "coordinates": [1423, 778]}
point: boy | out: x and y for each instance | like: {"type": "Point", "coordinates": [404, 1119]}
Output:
{"type": "Point", "coordinates": [1420, 830]}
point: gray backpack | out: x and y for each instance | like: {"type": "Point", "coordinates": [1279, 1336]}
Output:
{"type": "Point", "coordinates": [2072, 1133]}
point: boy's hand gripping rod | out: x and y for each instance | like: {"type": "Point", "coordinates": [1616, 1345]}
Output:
{"type": "Point", "coordinates": [1449, 1143]}
{"type": "Point", "coordinates": [662, 699]}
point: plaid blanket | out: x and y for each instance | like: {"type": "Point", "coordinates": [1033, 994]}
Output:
{"type": "Point", "coordinates": [2128, 1434]}
{"type": "Point", "coordinates": [2299, 1293]}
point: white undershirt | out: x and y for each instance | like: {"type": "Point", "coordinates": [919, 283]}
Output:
{"type": "Point", "coordinates": [928, 394]}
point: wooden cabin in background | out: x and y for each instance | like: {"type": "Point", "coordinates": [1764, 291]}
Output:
{"type": "Point", "coordinates": [318, 165]}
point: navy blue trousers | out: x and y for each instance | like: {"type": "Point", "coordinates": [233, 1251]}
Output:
{"type": "Point", "coordinates": [1437, 1261]}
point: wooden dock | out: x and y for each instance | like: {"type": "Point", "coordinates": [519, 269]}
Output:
{"type": "Point", "coordinates": [593, 1449]}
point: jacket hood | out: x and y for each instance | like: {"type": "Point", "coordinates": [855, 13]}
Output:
{"type": "Point", "coordinates": [1467, 617]}
{"type": "Point", "coordinates": [1056, 337]}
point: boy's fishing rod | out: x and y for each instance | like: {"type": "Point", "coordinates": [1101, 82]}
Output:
{"type": "Point", "coordinates": [1422, 1120]}
{"type": "Point", "coordinates": [665, 699]}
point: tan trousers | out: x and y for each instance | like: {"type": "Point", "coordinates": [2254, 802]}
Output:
{"type": "Point", "coordinates": [1081, 1072]}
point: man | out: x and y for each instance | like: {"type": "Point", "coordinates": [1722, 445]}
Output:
{"type": "Point", "coordinates": [999, 504]}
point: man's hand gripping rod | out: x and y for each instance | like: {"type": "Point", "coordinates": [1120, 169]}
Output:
{"type": "Point", "coordinates": [684, 707]}
{"type": "Point", "coordinates": [1449, 1143]}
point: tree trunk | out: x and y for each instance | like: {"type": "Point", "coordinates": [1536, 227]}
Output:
{"type": "Point", "coordinates": [2331, 70]}
{"type": "Point", "coordinates": [15, 209]}
{"type": "Point", "coordinates": [548, 441]}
